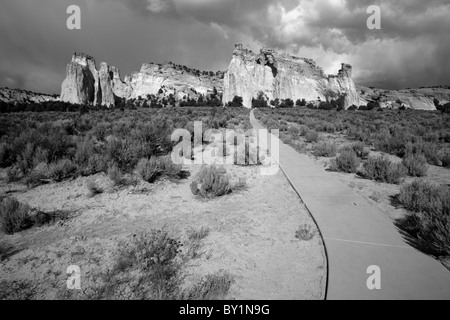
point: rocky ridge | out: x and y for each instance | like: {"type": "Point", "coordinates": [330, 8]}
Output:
{"type": "Point", "coordinates": [85, 85]}
{"type": "Point", "coordinates": [283, 76]}
{"type": "Point", "coordinates": [8, 95]}
{"type": "Point", "coordinates": [420, 99]}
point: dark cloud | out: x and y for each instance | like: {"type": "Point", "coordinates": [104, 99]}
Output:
{"type": "Point", "coordinates": [410, 50]}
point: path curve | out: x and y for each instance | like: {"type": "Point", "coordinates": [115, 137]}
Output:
{"type": "Point", "coordinates": [357, 236]}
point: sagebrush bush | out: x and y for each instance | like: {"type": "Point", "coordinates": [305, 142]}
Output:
{"type": "Point", "coordinates": [115, 175]}
{"type": "Point", "coordinates": [211, 182]}
{"type": "Point", "coordinates": [63, 169]}
{"type": "Point", "coordinates": [38, 174]}
{"type": "Point", "coordinates": [303, 130]}
{"type": "Point", "coordinates": [383, 170]}
{"type": "Point", "coordinates": [347, 161]}
{"type": "Point", "coordinates": [325, 149]}
{"type": "Point", "coordinates": [421, 196]}
{"type": "Point", "coordinates": [6, 155]}
{"type": "Point", "coordinates": [13, 174]}
{"type": "Point", "coordinates": [416, 165]}
{"type": "Point", "coordinates": [446, 159]}
{"type": "Point", "coordinates": [429, 150]}
{"type": "Point", "coordinates": [150, 169]}
{"type": "Point", "coordinates": [305, 233]}
{"type": "Point", "coordinates": [14, 216]}
{"type": "Point", "coordinates": [312, 136]}
{"type": "Point", "coordinates": [429, 222]}
{"type": "Point", "coordinates": [152, 267]}
{"type": "Point", "coordinates": [360, 150]}
{"type": "Point", "coordinates": [169, 168]}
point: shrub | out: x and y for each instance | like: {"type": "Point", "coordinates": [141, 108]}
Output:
{"type": "Point", "coordinates": [383, 170]}
{"type": "Point", "coordinates": [63, 169]}
{"type": "Point", "coordinates": [14, 216]}
{"type": "Point", "coordinates": [115, 175]}
{"type": "Point", "coordinates": [446, 159]}
{"type": "Point", "coordinates": [429, 150]}
{"type": "Point", "coordinates": [346, 161]}
{"type": "Point", "coordinates": [294, 131]}
{"type": "Point", "coordinates": [169, 168]}
{"type": "Point", "coordinates": [305, 233]}
{"type": "Point", "coordinates": [37, 175]}
{"type": "Point", "coordinates": [85, 150]}
{"type": "Point", "coordinates": [148, 169]}
{"type": "Point", "coordinates": [151, 267]}
{"type": "Point", "coordinates": [312, 136]}
{"type": "Point", "coordinates": [360, 150]}
{"type": "Point", "coordinates": [416, 165]}
{"type": "Point", "coordinates": [6, 155]}
{"type": "Point", "coordinates": [429, 224]}
{"type": "Point", "coordinates": [303, 130]}
{"type": "Point", "coordinates": [325, 149]}
{"type": "Point", "coordinates": [95, 164]}
{"type": "Point", "coordinates": [211, 182]}
{"type": "Point", "coordinates": [147, 268]}
{"type": "Point", "coordinates": [13, 174]}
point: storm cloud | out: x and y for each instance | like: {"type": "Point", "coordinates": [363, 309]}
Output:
{"type": "Point", "coordinates": [410, 50]}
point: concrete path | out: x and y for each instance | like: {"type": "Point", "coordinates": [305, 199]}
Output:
{"type": "Point", "coordinates": [357, 236]}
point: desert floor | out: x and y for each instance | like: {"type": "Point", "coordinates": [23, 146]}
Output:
{"type": "Point", "coordinates": [252, 234]}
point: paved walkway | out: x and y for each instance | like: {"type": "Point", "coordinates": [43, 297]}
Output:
{"type": "Point", "coordinates": [358, 235]}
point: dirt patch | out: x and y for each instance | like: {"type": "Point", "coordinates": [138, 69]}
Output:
{"type": "Point", "coordinates": [252, 234]}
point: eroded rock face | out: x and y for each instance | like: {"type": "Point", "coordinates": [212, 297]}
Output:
{"type": "Point", "coordinates": [85, 85]}
{"type": "Point", "coordinates": [173, 80]}
{"type": "Point", "coordinates": [282, 76]}
{"type": "Point", "coordinates": [418, 99]}
{"type": "Point", "coordinates": [81, 80]}
{"type": "Point", "coordinates": [105, 92]}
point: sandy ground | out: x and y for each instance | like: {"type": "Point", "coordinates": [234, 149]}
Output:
{"type": "Point", "coordinates": [252, 233]}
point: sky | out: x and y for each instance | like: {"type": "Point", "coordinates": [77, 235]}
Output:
{"type": "Point", "coordinates": [411, 49]}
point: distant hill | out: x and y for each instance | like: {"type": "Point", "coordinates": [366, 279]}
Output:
{"type": "Point", "coordinates": [22, 96]}
{"type": "Point", "coordinates": [423, 98]}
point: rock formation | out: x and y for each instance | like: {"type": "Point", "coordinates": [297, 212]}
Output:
{"type": "Point", "coordinates": [105, 92]}
{"type": "Point", "coordinates": [277, 75]}
{"type": "Point", "coordinates": [85, 85]}
{"type": "Point", "coordinates": [282, 76]}
{"type": "Point", "coordinates": [8, 95]}
{"type": "Point", "coordinates": [79, 85]}
{"type": "Point", "coordinates": [419, 99]}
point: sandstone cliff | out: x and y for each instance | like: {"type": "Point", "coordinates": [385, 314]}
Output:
{"type": "Point", "coordinates": [85, 85]}
{"type": "Point", "coordinates": [282, 76]}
